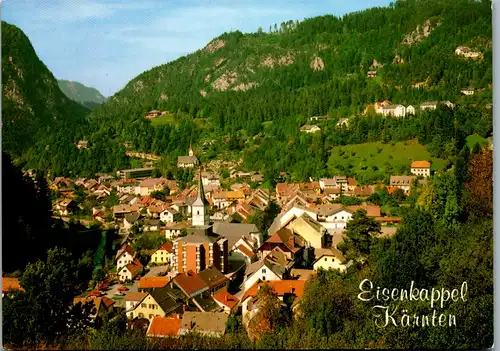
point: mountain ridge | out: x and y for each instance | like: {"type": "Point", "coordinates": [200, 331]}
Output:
{"type": "Point", "coordinates": [33, 105]}
{"type": "Point", "coordinates": [85, 95]}
{"type": "Point", "coordinates": [242, 91]}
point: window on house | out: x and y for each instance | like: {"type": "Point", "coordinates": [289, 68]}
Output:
{"type": "Point", "coordinates": [150, 316]}
{"type": "Point", "coordinates": [198, 212]}
{"type": "Point", "coordinates": [333, 260]}
{"type": "Point", "coordinates": [263, 277]}
{"type": "Point", "coordinates": [326, 259]}
{"type": "Point", "coordinates": [141, 315]}
{"type": "Point", "coordinates": [143, 305]}
{"type": "Point", "coordinates": [151, 306]}
{"type": "Point", "coordinates": [132, 315]}
{"type": "Point", "coordinates": [263, 270]}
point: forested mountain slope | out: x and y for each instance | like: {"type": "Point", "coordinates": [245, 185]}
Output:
{"type": "Point", "coordinates": [250, 93]}
{"type": "Point", "coordinates": [33, 105]}
{"type": "Point", "coordinates": [87, 96]}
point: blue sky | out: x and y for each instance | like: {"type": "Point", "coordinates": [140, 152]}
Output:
{"type": "Point", "coordinates": [106, 43]}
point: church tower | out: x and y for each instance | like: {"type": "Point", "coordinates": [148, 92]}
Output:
{"type": "Point", "coordinates": [200, 207]}
{"type": "Point", "coordinates": [191, 152]}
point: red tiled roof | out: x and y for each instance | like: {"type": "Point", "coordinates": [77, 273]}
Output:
{"type": "Point", "coordinates": [10, 284]}
{"type": "Point", "coordinates": [135, 267]}
{"type": "Point", "coordinates": [371, 210]}
{"type": "Point", "coordinates": [285, 188]}
{"type": "Point", "coordinates": [164, 326]}
{"type": "Point", "coordinates": [167, 246]}
{"type": "Point", "coordinates": [284, 236]}
{"type": "Point", "coordinates": [153, 282]}
{"type": "Point", "coordinates": [189, 283]}
{"type": "Point", "coordinates": [363, 190]}
{"type": "Point", "coordinates": [420, 164]}
{"type": "Point", "coordinates": [351, 181]}
{"type": "Point", "coordinates": [226, 298]}
{"type": "Point", "coordinates": [309, 186]}
{"type": "Point", "coordinates": [245, 251]}
{"type": "Point", "coordinates": [135, 296]}
{"type": "Point", "coordinates": [280, 287]}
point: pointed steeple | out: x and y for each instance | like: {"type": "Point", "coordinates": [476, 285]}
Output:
{"type": "Point", "coordinates": [200, 196]}
{"type": "Point", "coordinates": [191, 152]}
{"type": "Point", "coordinates": [200, 207]}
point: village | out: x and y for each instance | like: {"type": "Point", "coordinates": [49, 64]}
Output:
{"type": "Point", "coordinates": [210, 260]}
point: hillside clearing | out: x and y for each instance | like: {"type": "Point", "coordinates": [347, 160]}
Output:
{"type": "Point", "coordinates": [376, 161]}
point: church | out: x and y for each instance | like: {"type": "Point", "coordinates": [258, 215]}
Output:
{"type": "Point", "coordinates": [201, 248]}
{"type": "Point", "coordinates": [190, 161]}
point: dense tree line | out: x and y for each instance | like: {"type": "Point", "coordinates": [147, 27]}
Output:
{"type": "Point", "coordinates": [286, 95]}
{"type": "Point", "coordinates": [28, 224]}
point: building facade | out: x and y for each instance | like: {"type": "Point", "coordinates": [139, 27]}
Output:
{"type": "Point", "coordinates": [202, 248]}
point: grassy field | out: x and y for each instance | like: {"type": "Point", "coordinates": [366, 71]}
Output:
{"type": "Point", "coordinates": [165, 119]}
{"type": "Point", "coordinates": [376, 161]}
{"type": "Point", "coordinates": [473, 139]}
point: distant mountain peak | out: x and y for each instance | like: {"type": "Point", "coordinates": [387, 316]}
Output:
{"type": "Point", "coordinates": [81, 93]}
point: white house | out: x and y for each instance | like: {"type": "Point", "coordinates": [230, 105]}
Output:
{"type": "Point", "coordinates": [124, 256]}
{"type": "Point", "coordinates": [402, 182]}
{"type": "Point", "coordinates": [342, 122]}
{"type": "Point", "coordinates": [209, 178]}
{"type": "Point", "coordinates": [261, 270]}
{"type": "Point", "coordinates": [175, 229]}
{"type": "Point", "coordinates": [224, 199]}
{"type": "Point", "coordinates": [285, 218]}
{"type": "Point", "coordinates": [126, 186]}
{"type": "Point", "coordinates": [132, 299]}
{"type": "Point", "coordinates": [428, 105]}
{"type": "Point", "coordinates": [448, 103]}
{"type": "Point", "coordinates": [149, 185]}
{"type": "Point", "coordinates": [421, 168]}
{"type": "Point", "coordinates": [467, 91]}
{"type": "Point", "coordinates": [410, 110]}
{"type": "Point", "coordinates": [393, 110]}
{"type": "Point", "coordinates": [330, 258]}
{"type": "Point", "coordinates": [332, 183]}
{"type": "Point", "coordinates": [130, 271]}
{"type": "Point", "coordinates": [167, 215]}
{"type": "Point", "coordinates": [129, 220]}
{"type": "Point", "coordinates": [333, 217]}
{"type": "Point", "coordinates": [310, 128]}
{"type": "Point", "coordinates": [467, 52]}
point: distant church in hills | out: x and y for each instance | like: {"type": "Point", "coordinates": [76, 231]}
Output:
{"type": "Point", "coordinates": [190, 161]}
{"type": "Point", "coordinates": [201, 248]}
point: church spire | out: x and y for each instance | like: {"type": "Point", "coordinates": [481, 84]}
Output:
{"type": "Point", "coordinates": [200, 206]}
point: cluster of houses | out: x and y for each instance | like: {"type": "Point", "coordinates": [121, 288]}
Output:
{"type": "Point", "coordinates": [195, 296]}
{"type": "Point", "coordinates": [385, 108]}
{"type": "Point", "coordinates": [467, 52]}
{"type": "Point", "coordinates": [155, 113]}
{"type": "Point", "coordinates": [216, 261]}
